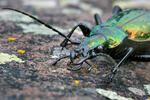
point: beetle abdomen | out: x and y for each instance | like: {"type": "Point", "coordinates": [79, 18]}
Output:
{"type": "Point", "coordinates": [135, 22]}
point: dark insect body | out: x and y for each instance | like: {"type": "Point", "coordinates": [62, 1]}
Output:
{"type": "Point", "coordinates": [124, 35]}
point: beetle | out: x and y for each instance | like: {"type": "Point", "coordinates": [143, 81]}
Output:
{"type": "Point", "coordinates": [124, 35]}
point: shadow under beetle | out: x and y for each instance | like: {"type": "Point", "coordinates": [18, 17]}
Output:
{"type": "Point", "coordinates": [124, 35]}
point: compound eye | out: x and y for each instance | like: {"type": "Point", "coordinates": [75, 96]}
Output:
{"type": "Point", "coordinates": [100, 47]}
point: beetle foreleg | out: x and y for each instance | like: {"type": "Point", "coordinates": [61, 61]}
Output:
{"type": "Point", "coordinates": [130, 51]}
{"type": "Point", "coordinates": [84, 28]}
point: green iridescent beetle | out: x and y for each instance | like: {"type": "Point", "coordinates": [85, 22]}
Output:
{"type": "Point", "coordinates": [124, 35]}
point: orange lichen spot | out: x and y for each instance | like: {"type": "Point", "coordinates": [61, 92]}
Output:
{"type": "Point", "coordinates": [21, 51]}
{"type": "Point", "coordinates": [11, 39]}
{"type": "Point", "coordinates": [76, 82]}
{"type": "Point", "coordinates": [94, 68]}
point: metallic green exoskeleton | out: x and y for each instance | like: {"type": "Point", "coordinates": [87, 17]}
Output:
{"type": "Point", "coordinates": [124, 35]}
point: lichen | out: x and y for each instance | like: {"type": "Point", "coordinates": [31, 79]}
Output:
{"type": "Point", "coordinates": [111, 95]}
{"type": "Point", "coordinates": [5, 58]}
{"type": "Point", "coordinates": [26, 23]}
{"type": "Point", "coordinates": [14, 17]}
{"type": "Point", "coordinates": [38, 29]}
{"type": "Point", "coordinates": [40, 3]}
{"type": "Point", "coordinates": [136, 91]}
{"type": "Point", "coordinates": [147, 87]}
{"type": "Point", "coordinates": [71, 11]}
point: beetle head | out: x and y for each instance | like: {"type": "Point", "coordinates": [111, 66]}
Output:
{"type": "Point", "coordinates": [88, 48]}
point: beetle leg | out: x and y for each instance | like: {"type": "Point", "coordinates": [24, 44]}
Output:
{"type": "Point", "coordinates": [84, 28]}
{"type": "Point", "coordinates": [116, 10]}
{"type": "Point", "coordinates": [55, 62]}
{"type": "Point", "coordinates": [74, 69]}
{"type": "Point", "coordinates": [97, 19]}
{"type": "Point", "coordinates": [130, 51]}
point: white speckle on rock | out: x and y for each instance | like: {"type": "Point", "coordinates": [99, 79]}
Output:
{"type": "Point", "coordinates": [111, 95]}
{"type": "Point", "coordinates": [147, 87]}
{"type": "Point", "coordinates": [136, 91]}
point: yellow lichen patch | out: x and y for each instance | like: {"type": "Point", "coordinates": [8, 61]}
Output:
{"type": "Point", "coordinates": [21, 51]}
{"type": "Point", "coordinates": [94, 68]}
{"type": "Point", "coordinates": [11, 39]}
{"type": "Point", "coordinates": [4, 58]}
{"type": "Point", "coordinates": [76, 82]}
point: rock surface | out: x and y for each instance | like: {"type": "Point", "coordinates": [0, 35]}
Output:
{"type": "Point", "coordinates": [35, 79]}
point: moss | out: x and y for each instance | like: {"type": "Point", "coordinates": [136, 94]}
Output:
{"type": "Point", "coordinates": [4, 58]}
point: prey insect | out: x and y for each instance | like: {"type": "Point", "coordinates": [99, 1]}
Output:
{"type": "Point", "coordinates": [124, 35]}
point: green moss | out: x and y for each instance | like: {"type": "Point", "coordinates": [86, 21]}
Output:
{"type": "Point", "coordinates": [4, 58]}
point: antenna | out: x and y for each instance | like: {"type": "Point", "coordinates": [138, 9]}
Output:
{"type": "Point", "coordinates": [48, 26]}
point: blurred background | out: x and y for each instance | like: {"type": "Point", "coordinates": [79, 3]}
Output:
{"type": "Point", "coordinates": [66, 13]}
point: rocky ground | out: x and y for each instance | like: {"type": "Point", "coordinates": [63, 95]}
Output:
{"type": "Point", "coordinates": [27, 50]}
